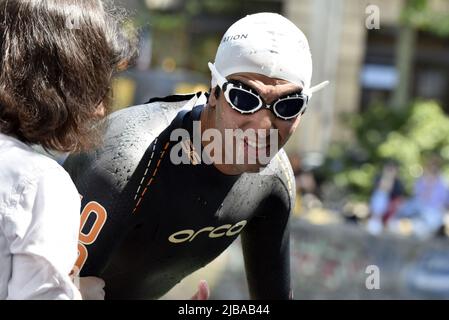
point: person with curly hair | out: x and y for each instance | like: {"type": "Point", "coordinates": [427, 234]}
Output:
{"type": "Point", "coordinates": [57, 58]}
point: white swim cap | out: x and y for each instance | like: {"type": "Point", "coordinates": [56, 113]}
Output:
{"type": "Point", "coordinates": [268, 44]}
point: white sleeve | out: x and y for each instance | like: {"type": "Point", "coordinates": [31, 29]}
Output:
{"type": "Point", "coordinates": [43, 235]}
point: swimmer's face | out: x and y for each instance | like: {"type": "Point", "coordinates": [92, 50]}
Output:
{"type": "Point", "coordinates": [261, 122]}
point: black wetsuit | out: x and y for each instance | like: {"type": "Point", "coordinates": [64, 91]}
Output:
{"type": "Point", "coordinates": [164, 221]}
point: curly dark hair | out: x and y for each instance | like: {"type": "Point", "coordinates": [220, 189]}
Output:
{"type": "Point", "coordinates": [57, 58]}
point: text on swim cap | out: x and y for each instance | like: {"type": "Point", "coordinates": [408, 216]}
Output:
{"type": "Point", "coordinates": [234, 37]}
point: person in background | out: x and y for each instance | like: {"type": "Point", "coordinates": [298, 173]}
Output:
{"type": "Point", "coordinates": [57, 59]}
{"type": "Point", "coordinates": [388, 194]}
{"type": "Point", "coordinates": [426, 208]}
{"type": "Point", "coordinates": [306, 187]}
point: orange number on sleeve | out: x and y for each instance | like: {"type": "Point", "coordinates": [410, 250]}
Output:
{"type": "Point", "coordinates": [88, 238]}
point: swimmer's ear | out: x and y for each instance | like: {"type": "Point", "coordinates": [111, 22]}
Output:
{"type": "Point", "coordinates": [214, 95]}
{"type": "Point", "coordinates": [217, 92]}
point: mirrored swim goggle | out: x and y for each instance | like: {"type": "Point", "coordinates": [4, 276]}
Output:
{"type": "Point", "coordinates": [247, 101]}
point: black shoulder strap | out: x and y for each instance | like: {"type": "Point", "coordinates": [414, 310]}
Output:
{"type": "Point", "coordinates": [175, 98]}
{"type": "Point", "coordinates": [180, 119]}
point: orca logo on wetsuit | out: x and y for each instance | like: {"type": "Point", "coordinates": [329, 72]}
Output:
{"type": "Point", "coordinates": [189, 235]}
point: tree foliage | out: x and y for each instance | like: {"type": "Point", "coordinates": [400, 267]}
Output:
{"type": "Point", "coordinates": [422, 16]}
{"type": "Point", "coordinates": [381, 133]}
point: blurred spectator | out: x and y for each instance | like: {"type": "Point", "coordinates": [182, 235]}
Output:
{"type": "Point", "coordinates": [426, 208]}
{"type": "Point", "coordinates": [306, 187]}
{"type": "Point", "coordinates": [387, 196]}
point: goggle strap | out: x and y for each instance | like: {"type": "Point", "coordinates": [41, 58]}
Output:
{"type": "Point", "coordinates": [316, 88]}
{"type": "Point", "coordinates": [220, 79]}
